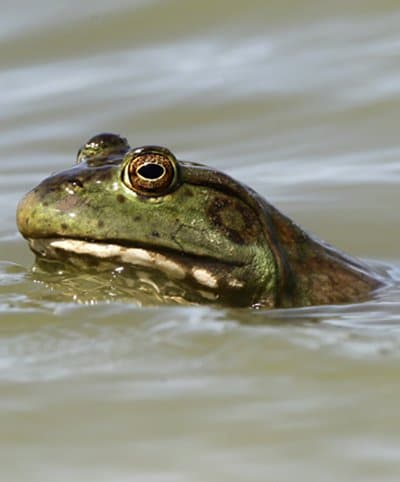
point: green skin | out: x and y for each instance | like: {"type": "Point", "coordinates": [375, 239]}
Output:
{"type": "Point", "coordinates": [200, 226]}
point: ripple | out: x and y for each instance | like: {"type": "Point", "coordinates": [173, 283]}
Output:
{"type": "Point", "coordinates": [297, 99]}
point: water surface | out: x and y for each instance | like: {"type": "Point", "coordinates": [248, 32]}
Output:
{"type": "Point", "coordinates": [300, 100]}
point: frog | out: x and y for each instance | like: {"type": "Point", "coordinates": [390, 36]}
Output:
{"type": "Point", "coordinates": [142, 207]}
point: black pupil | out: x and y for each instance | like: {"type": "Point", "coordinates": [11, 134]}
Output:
{"type": "Point", "coordinates": [151, 171]}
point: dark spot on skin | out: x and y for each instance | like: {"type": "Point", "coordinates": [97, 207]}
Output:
{"type": "Point", "coordinates": [64, 226]}
{"type": "Point", "coordinates": [237, 221]}
{"type": "Point", "coordinates": [120, 198]}
{"type": "Point", "coordinates": [100, 223]}
{"type": "Point", "coordinates": [155, 234]}
{"type": "Point", "coordinates": [188, 193]}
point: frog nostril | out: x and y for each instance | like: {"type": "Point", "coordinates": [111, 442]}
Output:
{"type": "Point", "coordinates": [73, 185]}
{"type": "Point", "coordinates": [74, 182]}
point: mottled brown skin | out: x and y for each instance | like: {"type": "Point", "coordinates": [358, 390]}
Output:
{"type": "Point", "coordinates": [316, 273]}
{"type": "Point", "coordinates": [194, 223]}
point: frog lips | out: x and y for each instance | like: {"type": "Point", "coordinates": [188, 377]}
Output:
{"type": "Point", "coordinates": [107, 251]}
{"type": "Point", "coordinates": [177, 266]}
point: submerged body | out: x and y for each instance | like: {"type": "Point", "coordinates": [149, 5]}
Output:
{"type": "Point", "coordinates": [144, 208]}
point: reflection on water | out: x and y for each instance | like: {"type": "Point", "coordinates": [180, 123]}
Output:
{"type": "Point", "coordinates": [298, 100]}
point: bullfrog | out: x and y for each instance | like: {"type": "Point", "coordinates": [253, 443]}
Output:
{"type": "Point", "coordinates": [144, 208]}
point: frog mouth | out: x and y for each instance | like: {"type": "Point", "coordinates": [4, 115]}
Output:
{"type": "Point", "coordinates": [206, 272]}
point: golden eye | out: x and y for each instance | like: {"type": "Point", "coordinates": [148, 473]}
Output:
{"type": "Point", "coordinates": [150, 170]}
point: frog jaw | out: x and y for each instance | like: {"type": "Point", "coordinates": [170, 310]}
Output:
{"type": "Point", "coordinates": [214, 279]}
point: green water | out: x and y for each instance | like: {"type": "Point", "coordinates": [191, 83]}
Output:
{"type": "Point", "coordinates": [300, 100]}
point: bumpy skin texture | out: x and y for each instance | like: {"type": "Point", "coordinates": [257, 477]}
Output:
{"type": "Point", "coordinates": [192, 221]}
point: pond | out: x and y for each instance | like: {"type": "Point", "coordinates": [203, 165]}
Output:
{"type": "Point", "coordinates": [299, 100]}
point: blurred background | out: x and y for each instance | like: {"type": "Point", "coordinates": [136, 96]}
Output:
{"type": "Point", "coordinates": [300, 100]}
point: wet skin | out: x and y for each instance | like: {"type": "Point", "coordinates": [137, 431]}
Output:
{"type": "Point", "coordinates": [144, 208]}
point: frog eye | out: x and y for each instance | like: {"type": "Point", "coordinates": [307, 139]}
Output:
{"type": "Point", "coordinates": [102, 147]}
{"type": "Point", "coordinates": [150, 170]}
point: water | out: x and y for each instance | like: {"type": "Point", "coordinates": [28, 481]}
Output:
{"type": "Point", "coordinates": [301, 101]}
